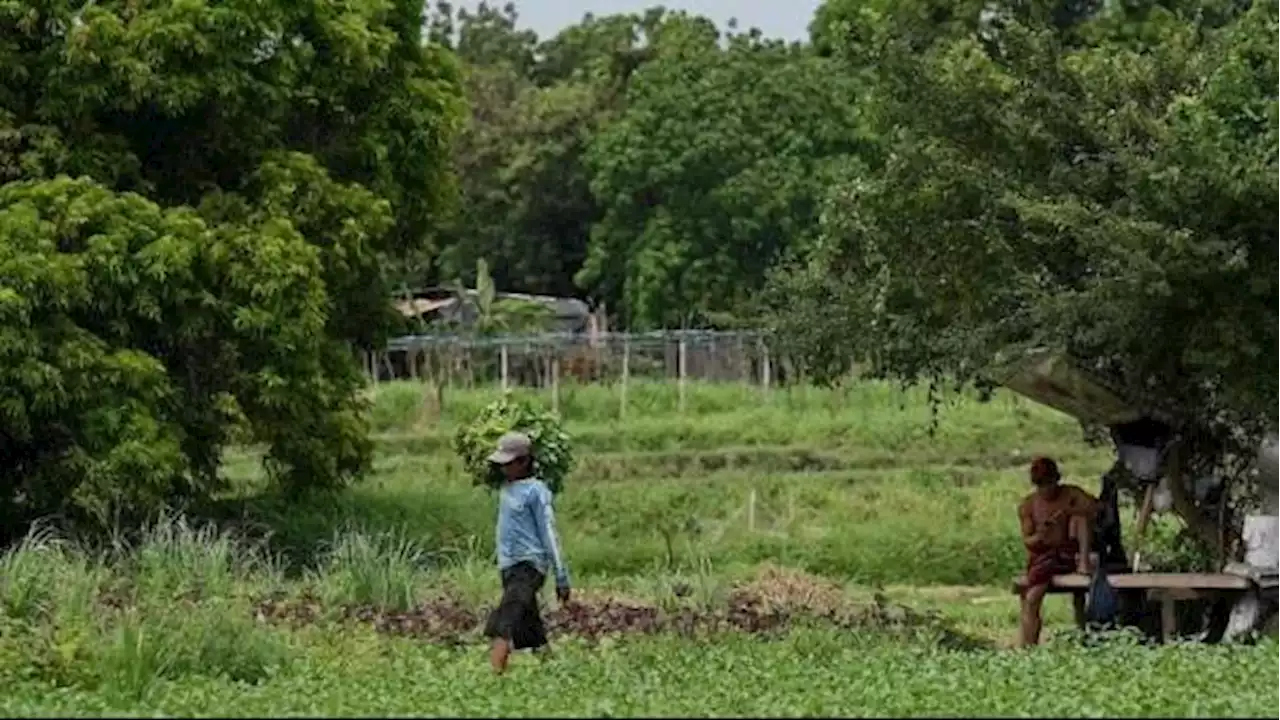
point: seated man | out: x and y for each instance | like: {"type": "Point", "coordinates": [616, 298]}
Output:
{"type": "Point", "coordinates": [1056, 531]}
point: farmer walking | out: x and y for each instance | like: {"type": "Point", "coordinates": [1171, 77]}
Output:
{"type": "Point", "coordinates": [1056, 531]}
{"type": "Point", "coordinates": [527, 548]}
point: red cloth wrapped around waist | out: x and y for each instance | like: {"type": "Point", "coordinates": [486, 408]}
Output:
{"type": "Point", "coordinates": [1043, 565]}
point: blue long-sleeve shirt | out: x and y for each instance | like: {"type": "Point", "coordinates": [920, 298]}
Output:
{"type": "Point", "coordinates": [527, 529]}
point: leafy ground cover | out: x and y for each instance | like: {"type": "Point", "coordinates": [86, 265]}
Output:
{"type": "Point", "coordinates": [804, 673]}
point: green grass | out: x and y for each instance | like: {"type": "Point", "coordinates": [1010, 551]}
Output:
{"type": "Point", "coordinates": [866, 421]}
{"type": "Point", "coordinates": [852, 483]}
{"type": "Point", "coordinates": [947, 525]}
{"type": "Point", "coordinates": [850, 490]}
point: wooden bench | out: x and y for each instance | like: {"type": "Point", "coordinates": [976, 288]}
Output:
{"type": "Point", "coordinates": [1166, 589]}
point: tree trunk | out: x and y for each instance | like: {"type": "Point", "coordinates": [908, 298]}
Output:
{"type": "Point", "coordinates": [1203, 525]}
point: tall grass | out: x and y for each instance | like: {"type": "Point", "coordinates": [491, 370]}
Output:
{"type": "Point", "coordinates": [175, 559]}
{"type": "Point", "coordinates": [44, 577]}
{"type": "Point", "coordinates": [375, 568]}
{"type": "Point", "coordinates": [169, 606]}
{"type": "Point", "coordinates": [142, 645]}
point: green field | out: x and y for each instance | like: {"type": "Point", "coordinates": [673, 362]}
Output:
{"type": "Point", "coordinates": [793, 552]}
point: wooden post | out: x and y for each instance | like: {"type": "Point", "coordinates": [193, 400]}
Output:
{"type": "Point", "coordinates": [766, 371]}
{"type": "Point", "coordinates": [555, 383]}
{"type": "Point", "coordinates": [441, 379]}
{"type": "Point", "coordinates": [626, 375]}
{"type": "Point", "coordinates": [1168, 616]}
{"type": "Point", "coordinates": [710, 367]}
{"type": "Point", "coordinates": [503, 353]}
{"type": "Point", "coordinates": [433, 395]}
{"type": "Point", "coordinates": [681, 354]}
{"type": "Point", "coordinates": [597, 372]}
{"type": "Point", "coordinates": [1144, 515]}
{"type": "Point", "coordinates": [751, 511]}
{"type": "Point", "coordinates": [1220, 561]}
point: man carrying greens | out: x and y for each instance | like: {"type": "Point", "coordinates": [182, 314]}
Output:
{"type": "Point", "coordinates": [527, 548]}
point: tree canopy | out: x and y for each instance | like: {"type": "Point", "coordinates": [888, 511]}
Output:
{"type": "Point", "coordinates": [704, 184]}
{"type": "Point", "coordinates": [1088, 191]}
{"type": "Point", "coordinates": [1102, 183]}
{"type": "Point", "coordinates": [649, 162]}
{"type": "Point", "coordinates": [198, 208]}
{"type": "Point", "coordinates": [206, 208]}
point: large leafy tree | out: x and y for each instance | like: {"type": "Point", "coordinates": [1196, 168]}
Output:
{"type": "Point", "coordinates": [712, 171]}
{"type": "Point", "coordinates": [1104, 186]}
{"type": "Point", "coordinates": [200, 203]}
{"type": "Point", "coordinates": [526, 206]}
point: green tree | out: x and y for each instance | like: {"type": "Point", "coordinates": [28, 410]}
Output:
{"type": "Point", "coordinates": [602, 50]}
{"type": "Point", "coordinates": [1095, 191]}
{"type": "Point", "coordinates": [246, 176]}
{"type": "Point", "coordinates": [713, 170]}
{"type": "Point", "coordinates": [527, 205]}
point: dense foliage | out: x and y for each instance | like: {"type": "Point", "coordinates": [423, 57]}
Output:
{"type": "Point", "coordinates": [649, 162]}
{"type": "Point", "coordinates": [198, 204]}
{"type": "Point", "coordinates": [232, 193]}
{"type": "Point", "coordinates": [1089, 191]}
{"type": "Point", "coordinates": [932, 187]}
{"type": "Point", "coordinates": [803, 674]}
{"type": "Point", "coordinates": [950, 179]}
{"type": "Point", "coordinates": [704, 185]}
{"type": "Point", "coordinates": [1100, 183]}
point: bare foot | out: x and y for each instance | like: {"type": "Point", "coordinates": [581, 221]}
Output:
{"type": "Point", "coordinates": [499, 655]}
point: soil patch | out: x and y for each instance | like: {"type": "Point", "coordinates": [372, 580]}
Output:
{"type": "Point", "coordinates": [775, 601]}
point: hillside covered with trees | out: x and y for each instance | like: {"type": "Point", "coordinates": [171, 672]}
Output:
{"type": "Point", "coordinates": [205, 207]}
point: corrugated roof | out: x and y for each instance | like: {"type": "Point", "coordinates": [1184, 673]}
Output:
{"type": "Point", "coordinates": [562, 306]}
{"type": "Point", "coordinates": [421, 306]}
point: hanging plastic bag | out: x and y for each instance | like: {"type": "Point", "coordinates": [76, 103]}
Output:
{"type": "Point", "coordinates": [1102, 603]}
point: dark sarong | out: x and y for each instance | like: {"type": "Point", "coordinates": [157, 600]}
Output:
{"type": "Point", "coordinates": [1042, 566]}
{"type": "Point", "coordinates": [517, 617]}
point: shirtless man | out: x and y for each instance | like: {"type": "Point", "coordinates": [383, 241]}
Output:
{"type": "Point", "coordinates": [1056, 531]}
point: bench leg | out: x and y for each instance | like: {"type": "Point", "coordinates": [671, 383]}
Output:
{"type": "Point", "coordinates": [1077, 609]}
{"type": "Point", "coordinates": [1168, 618]}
